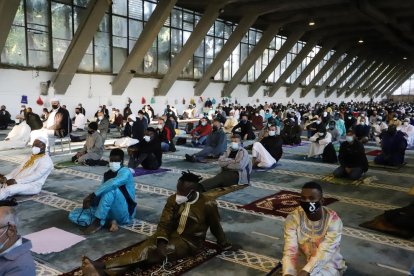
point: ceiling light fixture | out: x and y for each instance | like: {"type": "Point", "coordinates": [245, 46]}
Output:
{"type": "Point", "coordinates": [312, 23]}
{"type": "Point", "coordinates": [360, 41]}
{"type": "Point", "coordinates": [404, 58]}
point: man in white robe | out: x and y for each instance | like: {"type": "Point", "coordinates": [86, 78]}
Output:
{"type": "Point", "coordinates": [408, 130]}
{"type": "Point", "coordinates": [18, 137]}
{"type": "Point", "coordinates": [79, 122]}
{"type": "Point", "coordinates": [319, 141]}
{"type": "Point", "coordinates": [29, 177]}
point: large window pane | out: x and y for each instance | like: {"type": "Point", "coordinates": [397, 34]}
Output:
{"type": "Point", "coordinates": [148, 9]}
{"type": "Point", "coordinates": [119, 7]}
{"type": "Point", "coordinates": [164, 50]}
{"type": "Point", "coordinates": [38, 32]}
{"type": "Point", "coordinates": [14, 51]}
{"type": "Point", "coordinates": [102, 49]}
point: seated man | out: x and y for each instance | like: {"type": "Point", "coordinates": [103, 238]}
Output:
{"type": "Point", "coordinates": [15, 256]}
{"type": "Point", "coordinates": [246, 129]}
{"type": "Point", "coordinates": [200, 133]}
{"type": "Point", "coordinates": [29, 177]}
{"type": "Point", "coordinates": [312, 125]}
{"type": "Point", "coordinates": [18, 137]}
{"type": "Point", "coordinates": [334, 132]}
{"type": "Point", "coordinates": [103, 124]}
{"type": "Point", "coordinates": [79, 120]}
{"type": "Point", "coordinates": [352, 158]}
{"type": "Point", "coordinates": [340, 125]}
{"type": "Point", "coordinates": [408, 130]}
{"type": "Point", "coordinates": [93, 148]}
{"type": "Point", "coordinates": [133, 133]}
{"type": "Point", "coordinates": [216, 144]}
{"type": "Point", "coordinates": [312, 237]}
{"type": "Point", "coordinates": [236, 167]}
{"type": "Point", "coordinates": [117, 121]}
{"type": "Point", "coordinates": [393, 146]}
{"type": "Point", "coordinates": [147, 152]}
{"type": "Point", "coordinates": [230, 123]}
{"type": "Point", "coordinates": [113, 202]}
{"type": "Point", "coordinates": [378, 128]}
{"type": "Point", "coordinates": [181, 232]}
{"type": "Point", "coordinates": [291, 132]}
{"type": "Point", "coordinates": [165, 135]}
{"type": "Point", "coordinates": [58, 124]}
{"type": "Point", "coordinates": [5, 118]}
{"type": "Point", "coordinates": [257, 121]}
{"type": "Point", "coordinates": [362, 131]}
{"type": "Point", "coordinates": [319, 141]}
{"type": "Point", "coordinates": [268, 151]}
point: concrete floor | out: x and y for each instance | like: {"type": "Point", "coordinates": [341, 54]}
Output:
{"type": "Point", "coordinates": [261, 236]}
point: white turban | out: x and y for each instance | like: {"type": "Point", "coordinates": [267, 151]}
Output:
{"type": "Point", "coordinates": [132, 117]}
{"type": "Point", "coordinates": [54, 100]}
{"type": "Point", "coordinates": [42, 139]}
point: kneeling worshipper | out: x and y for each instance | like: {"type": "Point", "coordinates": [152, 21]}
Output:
{"type": "Point", "coordinates": [15, 256]}
{"type": "Point", "coordinates": [319, 141]}
{"type": "Point", "coordinates": [291, 132]}
{"type": "Point", "coordinates": [93, 149]}
{"type": "Point", "coordinates": [268, 151]}
{"type": "Point", "coordinates": [147, 153]}
{"type": "Point", "coordinates": [216, 144]}
{"type": "Point", "coordinates": [334, 132]}
{"type": "Point", "coordinates": [362, 131]}
{"type": "Point", "coordinates": [312, 237]}
{"type": "Point", "coordinates": [393, 146]}
{"type": "Point", "coordinates": [113, 202]}
{"type": "Point", "coordinates": [236, 167]}
{"type": "Point", "coordinates": [378, 128]}
{"type": "Point", "coordinates": [230, 123]}
{"type": "Point", "coordinates": [200, 133]}
{"type": "Point", "coordinates": [181, 233]}
{"type": "Point", "coordinates": [17, 138]}
{"type": "Point", "coordinates": [133, 133]}
{"type": "Point", "coordinates": [166, 136]}
{"type": "Point", "coordinates": [352, 159]}
{"type": "Point", "coordinates": [29, 177]}
{"type": "Point", "coordinates": [246, 128]}
{"type": "Point", "coordinates": [408, 130]}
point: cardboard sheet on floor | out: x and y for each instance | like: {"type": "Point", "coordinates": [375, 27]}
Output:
{"type": "Point", "coordinates": [52, 240]}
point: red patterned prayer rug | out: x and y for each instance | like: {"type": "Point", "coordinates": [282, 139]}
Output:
{"type": "Point", "coordinates": [178, 267]}
{"type": "Point", "coordinates": [374, 152]}
{"type": "Point", "coordinates": [279, 204]}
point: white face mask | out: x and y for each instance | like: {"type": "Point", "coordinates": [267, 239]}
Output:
{"type": "Point", "coordinates": [100, 118]}
{"type": "Point", "coordinates": [147, 138]}
{"type": "Point", "coordinates": [325, 114]}
{"type": "Point", "coordinates": [318, 122]}
{"type": "Point", "coordinates": [235, 146]}
{"type": "Point", "coordinates": [321, 134]}
{"type": "Point", "coordinates": [114, 166]}
{"type": "Point", "coordinates": [179, 199]}
{"type": "Point", "coordinates": [405, 123]}
{"type": "Point", "coordinates": [131, 123]}
{"type": "Point", "coordinates": [362, 122]}
{"type": "Point", "coordinates": [203, 123]}
{"type": "Point", "coordinates": [160, 126]}
{"type": "Point", "coordinates": [35, 150]}
{"type": "Point", "coordinates": [349, 139]}
{"type": "Point", "coordinates": [272, 133]}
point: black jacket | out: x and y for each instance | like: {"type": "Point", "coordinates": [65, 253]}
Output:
{"type": "Point", "coordinates": [353, 155]}
{"type": "Point", "coordinates": [33, 120]}
{"type": "Point", "coordinates": [245, 128]}
{"type": "Point", "coordinates": [273, 144]}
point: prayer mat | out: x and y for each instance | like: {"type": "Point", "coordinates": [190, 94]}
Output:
{"type": "Point", "coordinates": [65, 164]}
{"type": "Point", "coordinates": [373, 152]}
{"type": "Point", "coordinates": [277, 271]}
{"type": "Point", "coordinates": [279, 204]}
{"type": "Point", "coordinates": [394, 168]}
{"type": "Point", "coordinates": [177, 267]}
{"type": "Point", "coordinates": [295, 146]}
{"type": "Point", "coordinates": [258, 169]}
{"type": "Point", "coordinates": [217, 192]}
{"type": "Point", "coordinates": [141, 171]}
{"type": "Point", "coordinates": [331, 179]}
{"type": "Point", "coordinates": [379, 224]}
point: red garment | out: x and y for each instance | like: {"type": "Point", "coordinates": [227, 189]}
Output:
{"type": "Point", "coordinates": [257, 122]}
{"type": "Point", "coordinates": [167, 133]}
{"type": "Point", "coordinates": [202, 130]}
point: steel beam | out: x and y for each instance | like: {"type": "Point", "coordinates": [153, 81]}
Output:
{"type": "Point", "coordinates": [8, 9]}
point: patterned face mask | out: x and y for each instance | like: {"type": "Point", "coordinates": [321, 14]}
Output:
{"type": "Point", "coordinates": [310, 207]}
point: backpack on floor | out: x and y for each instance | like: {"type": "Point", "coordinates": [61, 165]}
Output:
{"type": "Point", "coordinates": [189, 127]}
{"type": "Point", "coordinates": [181, 141]}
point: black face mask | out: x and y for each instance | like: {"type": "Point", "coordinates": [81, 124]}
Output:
{"type": "Point", "coordinates": [55, 106]}
{"type": "Point", "coordinates": [215, 128]}
{"type": "Point", "coordinates": [310, 208]}
{"type": "Point", "coordinates": [91, 131]}
{"type": "Point", "coordinates": [77, 112]}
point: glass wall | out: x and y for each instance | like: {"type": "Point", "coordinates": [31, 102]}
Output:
{"type": "Point", "coordinates": [407, 88]}
{"type": "Point", "coordinates": [43, 30]}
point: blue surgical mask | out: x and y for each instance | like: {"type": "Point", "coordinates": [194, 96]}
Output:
{"type": "Point", "coordinates": [114, 166]}
{"type": "Point", "coordinates": [234, 146]}
{"type": "Point", "coordinates": [349, 139]}
{"type": "Point", "coordinates": [203, 123]}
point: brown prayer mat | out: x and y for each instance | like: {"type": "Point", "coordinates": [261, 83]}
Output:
{"type": "Point", "coordinates": [177, 267]}
{"type": "Point", "coordinates": [331, 179]}
{"type": "Point", "coordinates": [279, 204]}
